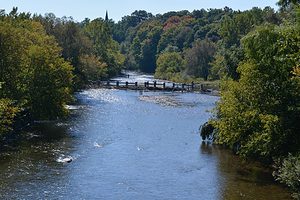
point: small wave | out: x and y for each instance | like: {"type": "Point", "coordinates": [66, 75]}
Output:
{"type": "Point", "coordinates": [98, 145]}
{"type": "Point", "coordinates": [139, 148]}
{"type": "Point", "coordinates": [59, 124]}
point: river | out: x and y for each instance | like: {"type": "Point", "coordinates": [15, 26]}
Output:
{"type": "Point", "coordinates": [131, 145]}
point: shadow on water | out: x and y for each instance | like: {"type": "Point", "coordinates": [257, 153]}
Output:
{"type": "Point", "coordinates": [31, 160]}
{"type": "Point", "coordinates": [243, 179]}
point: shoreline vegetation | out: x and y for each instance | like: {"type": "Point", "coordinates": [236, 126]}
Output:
{"type": "Point", "coordinates": [254, 56]}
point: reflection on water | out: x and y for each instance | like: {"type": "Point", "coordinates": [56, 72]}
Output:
{"type": "Point", "coordinates": [130, 145]}
{"type": "Point", "coordinates": [243, 179]}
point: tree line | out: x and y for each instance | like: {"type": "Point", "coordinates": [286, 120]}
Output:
{"type": "Point", "coordinates": [44, 59]}
{"type": "Point", "coordinates": [204, 43]}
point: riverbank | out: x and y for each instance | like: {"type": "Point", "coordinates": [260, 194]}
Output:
{"type": "Point", "coordinates": [285, 170]}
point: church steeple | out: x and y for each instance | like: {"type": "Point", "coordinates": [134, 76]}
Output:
{"type": "Point", "coordinates": [106, 16]}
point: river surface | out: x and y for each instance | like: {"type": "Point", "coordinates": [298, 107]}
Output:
{"type": "Point", "coordinates": [131, 145]}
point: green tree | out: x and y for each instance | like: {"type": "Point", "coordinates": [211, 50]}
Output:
{"type": "Point", "coordinates": [169, 66]}
{"type": "Point", "coordinates": [286, 3]}
{"type": "Point", "coordinates": [104, 46]}
{"type": "Point", "coordinates": [49, 86]}
{"type": "Point", "coordinates": [34, 75]}
{"type": "Point", "coordinates": [199, 57]}
{"type": "Point", "coordinates": [258, 114]}
{"type": "Point", "coordinates": [92, 68]}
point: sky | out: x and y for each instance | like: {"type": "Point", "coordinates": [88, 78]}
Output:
{"type": "Point", "coordinates": [80, 9]}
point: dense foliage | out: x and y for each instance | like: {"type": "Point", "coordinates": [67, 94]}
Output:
{"type": "Point", "coordinates": [88, 46]}
{"type": "Point", "coordinates": [288, 173]}
{"type": "Point", "coordinates": [33, 74]}
{"type": "Point", "coordinates": [258, 114]}
{"type": "Point", "coordinates": [207, 40]}
{"type": "Point", "coordinates": [44, 58]}
{"type": "Point", "coordinates": [169, 65]}
{"type": "Point", "coordinates": [259, 111]}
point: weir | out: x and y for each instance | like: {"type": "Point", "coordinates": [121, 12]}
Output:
{"type": "Point", "coordinates": [152, 85]}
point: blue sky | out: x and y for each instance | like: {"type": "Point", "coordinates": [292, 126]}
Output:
{"type": "Point", "coordinates": [79, 9]}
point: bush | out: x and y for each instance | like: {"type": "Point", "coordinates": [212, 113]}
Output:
{"type": "Point", "coordinates": [289, 173]}
{"type": "Point", "coordinates": [7, 114]}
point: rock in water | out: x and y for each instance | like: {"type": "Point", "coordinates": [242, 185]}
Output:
{"type": "Point", "coordinates": [65, 160]}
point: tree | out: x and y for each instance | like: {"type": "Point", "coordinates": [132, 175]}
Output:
{"type": "Point", "coordinates": [258, 114]}
{"type": "Point", "coordinates": [144, 45]}
{"type": "Point", "coordinates": [92, 68]}
{"type": "Point", "coordinates": [199, 57]}
{"type": "Point", "coordinates": [34, 75]}
{"type": "Point", "coordinates": [286, 3]}
{"type": "Point", "coordinates": [169, 66]}
{"type": "Point", "coordinates": [148, 50]}
{"type": "Point", "coordinates": [71, 38]}
{"type": "Point", "coordinates": [49, 88]}
{"type": "Point", "coordinates": [104, 46]}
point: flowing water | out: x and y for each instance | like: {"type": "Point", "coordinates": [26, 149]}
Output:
{"type": "Point", "coordinates": [131, 145]}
